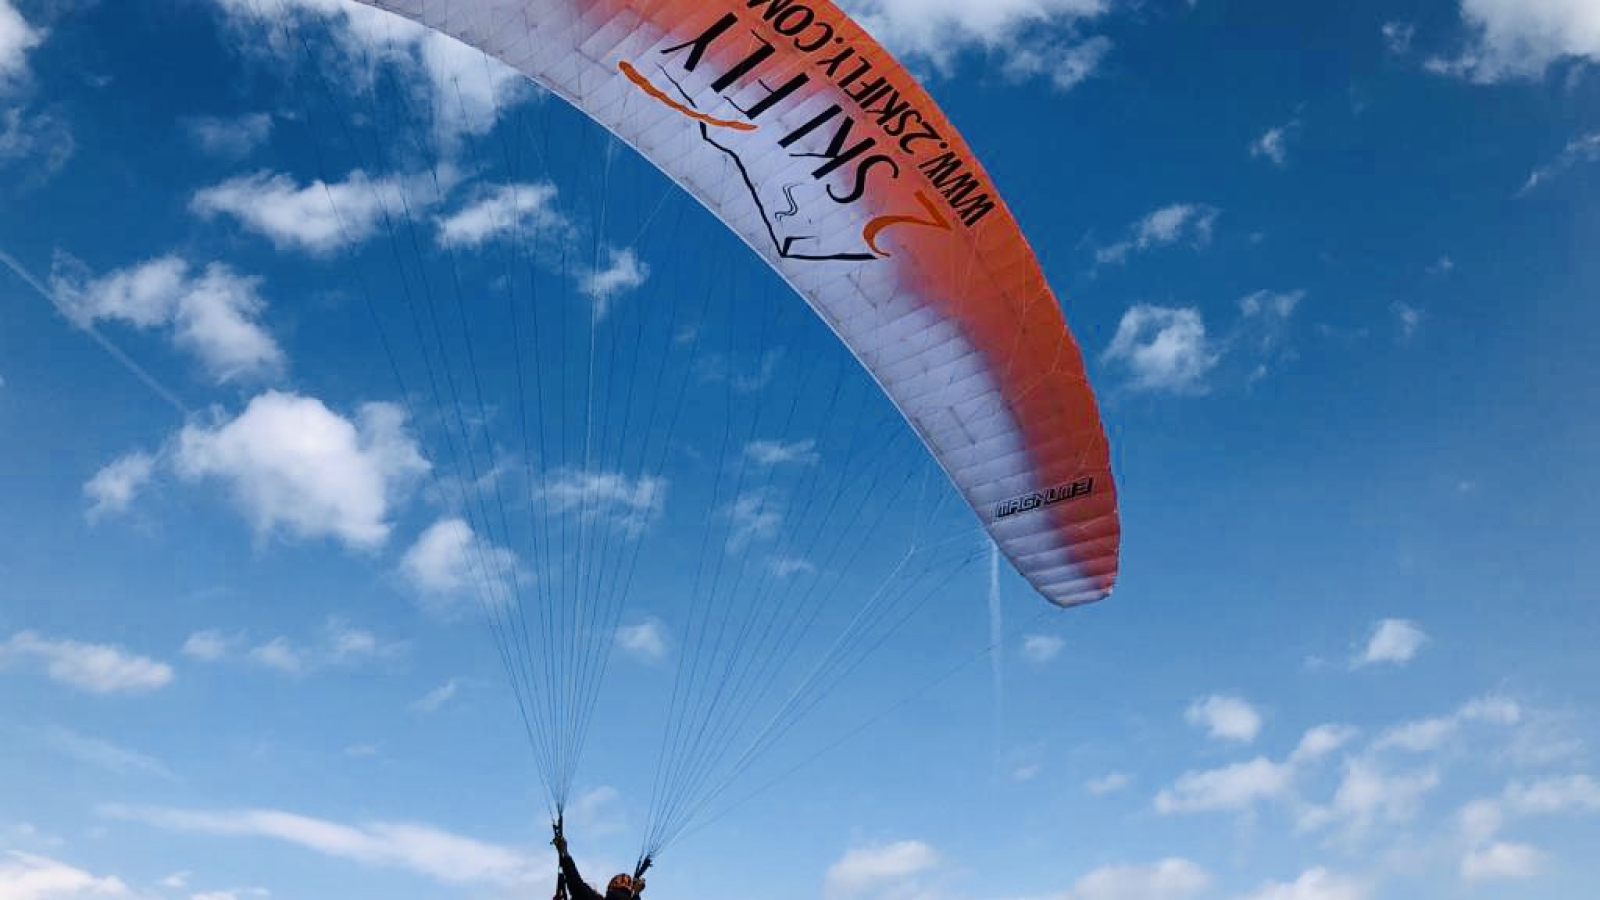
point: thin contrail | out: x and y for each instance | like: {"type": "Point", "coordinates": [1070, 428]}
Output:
{"type": "Point", "coordinates": [127, 362]}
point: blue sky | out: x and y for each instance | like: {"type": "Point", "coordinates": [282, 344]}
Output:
{"type": "Point", "coordinates": [1331, 267]}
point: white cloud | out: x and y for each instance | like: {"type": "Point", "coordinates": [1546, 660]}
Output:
{"type": "Point", "coordinates": [775, 453]}
{"type": "Point", "coordinates": [1321, 741]}
{"type": "Point", "coordinates": [96, 668]}
{"type": "Point", "coordinates": [1392, 641]}
{"type": "Point", "coordinates": [465, 90]}
{"type": "Point", "coordinates": [1576, 793]}
{"type": "Point", "coordinates": [213, 313]}
{"type": "Point", "coordinates": [1313, 884]}
{"type": "Point", "coordinates": [629, 504]}
{"type": "Point", "coordinates": [1410, 318]}
{"type": "Point", "coordinates": [292, 465]}
{"type": "Point", "coordinates": [17, 37]}
{"type": "Point", "coordinates": [209, 645]}
{"type": "Point", "coordinates": [1169, 879]}
{"type": "Point", "coordinates": [319, 219]}
{"type": "Point", "coordinates": [877, 866]}
{"type": "Point", "coordinates": [1426, 735]}
{"type": "Point", "coordinates": [1110, 783]}
{"type": "Point", "coordinates": [1270, 304]}
{"type": "Point", "coordinates": [1041, 648]}
{"type": "Point", "coordinates": [520, 211]}
{"type": "Point", "coordinates": [623, 272]}
{"type": "Point", "coordinates": [1444, 266]}
{"type": "Point", "coordinates": [1500, 861]}
{"type": "Point", "coordinates": [1397, 37]}
{"type": "Point", "coordinates": [757, 515]}
{"type": "Point", "coordinates": [790, 566]}
{"type": "Point", "coordinates": [114, 487]}
{"type": "Point", "coordinates": [1191, 222]}
{"type": "Point", "coordinates": [445, 857]}
{"type": "Point", "coordinates": [176, 881]}
{"type": "Point", "coordinates": [1225, 718]}
{"type": "Point", "coordinates": [596, 812]}
{"type": "Point", "coordinates": [230, 138]}
{"type": "Point", "coordinates": [449, 561]}
{"type": "Point", "coordinates": [1234, 787]}
{"type": "Point", "coordinates": [1163, 349]}
{"type": "Point", "coordinates": [645, 641]}
{"type": "Point", "coordinates": [435, 699]}
{"type": "Point", "coordinates": [1580, 151]}
{"type": "Point", "coordinates": [24, 876]}
{"type": "Point", "coordinates": [1034, 37]}
{"type": "Point", "coordinates": [41, 138]}
{"type": "Point", "coordinates": [1368, 794]}
{"type": "Point", "coordinates": [339, 645]}
{"type": "Point", "coordinates": [1522, 39]}
{"type": "Point", "coordinates": [1274, 144]}
{"type": "Point", "coordinates": [106, 755]}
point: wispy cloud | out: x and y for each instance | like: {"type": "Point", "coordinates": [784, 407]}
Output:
{"type": "Point", "coordinates": [1397, 37]}
{"type": "Point", "coordinates": [1041, 648]}
{"type": "Point", "coordinates": [103, 754]}
{"type": "Point", "coordinates": [210, 645]}
{"type": "Point", "coordinates": [440, 855]}
{"type": "Point", "coordinates": [338, 645]}
{"type": "Point", "coordinates": [756, 516]}
{"type": "Point", "coordinates": [777, 453]}
{"type": "Point", "coordinates": [1501, 861]}
{"type": "Point", "coordinates": [631, 504]}
{"type": "Point", "coordinates": [622, 273]}
{"type": "Point", "coordinates": [1580, 151]}
{"type": "Point", "coordinates": [96, 668]}
{"type": "Point", "coordinates": [1234, 787]}
{"type": "Point", "coordinates": [294, 467]}
{"type": "Point", "coordinates": [645, 640]}
{"type": "Point", "coordinates": [213, 313]}
{"type": "Point", "coordinates": [1191, 223]}
{"type": "Point", "coordinates": [1225, 718]}
{"type": "Point", "coordinates": [449, 564]}
{"type": "Point", "coordinates": [114, 487]}
{"type": "Point", "coordinates": [1273, 145]}
{"type": "Point", "coordinates": [1371, 793]}
{"type": "Point", "coordinates": [1313, 884]}
{"type": "Point", "coordinates": [230, 138]}
{"type": "Point", "coordinates": [1163, 350]}
{"type": "Point", "coordinates": [435, 700]}
{"type": "Point", "coordinates": [1109, 783]}
{"type": "Point", "coordinates": [1393, 641]}
{"type": "Point", "coordinates": [503, 212]}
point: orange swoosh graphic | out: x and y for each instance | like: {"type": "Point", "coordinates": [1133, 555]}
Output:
{"type": "Point", "coordinates": [876, 226]}
{"type": "Point", "coordinates": [643, 83]}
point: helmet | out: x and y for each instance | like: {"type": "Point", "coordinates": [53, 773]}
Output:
{"type": "Point", "coordinates": [620, 882]}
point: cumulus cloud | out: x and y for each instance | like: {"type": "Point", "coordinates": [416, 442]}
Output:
{"type": "Point", "coordinates": [1225, 718]}
{"type": "Point", "coordinates": [1323, 740]}
{"type": "Point", "coordinates": [777, 453]}
{"type": "Point", "coordinates": [1274, 144]}
{"type": "Point", "coordinates": [213, 313]}
{"type": "Point", "coordinates": [210, 645]}
{"type": "Point", "coordinates": [1041, 648]}
{"type": "Point", "coordinates": [645, 641]}
{"type": "Point", "coordinates": [623, 272]}
{"type": "Point", "coordinates": [113, 488]}
{"type": "Point", "coordinates": [1394, 641]}
{"type": "Point", "coordinates": [1575, 793]}
{"type": "Point", "coordinates": [1580, 151]}
{"type": "Point", "coordinates": [1313, 884]}
{"type": "Point", "coordinates": [520, 211]}
{"type": "Point", "coordinates": [17, 37]}
{"type": "Point", "coordinates": [450, 561]}
{"type": "Point", "coordinates": [1193, 223]}
{"type": "Point", "coordinates": [318, 219]}
{"type": "Point", "coordinates": [229, 138]}
{"type": "Point", "coordinates": [1163, 349]}
{"type": "Point", "coordinates": [440, 855]}
{"type": "Point", "coordinates": [1236, 787]}
{"type": "Point", "coordinates": [1169, 879]}
{"type": "Point", "coordinates": [96, 668]}
{"type": "Point", "coordinates": [292, 466]}
{"type": "Point", "coordinates": [1521, 39]}
{"type": "Point", "coordinates": [24, 876]}
{"type": "Point", "coordinates": [878, 866]}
